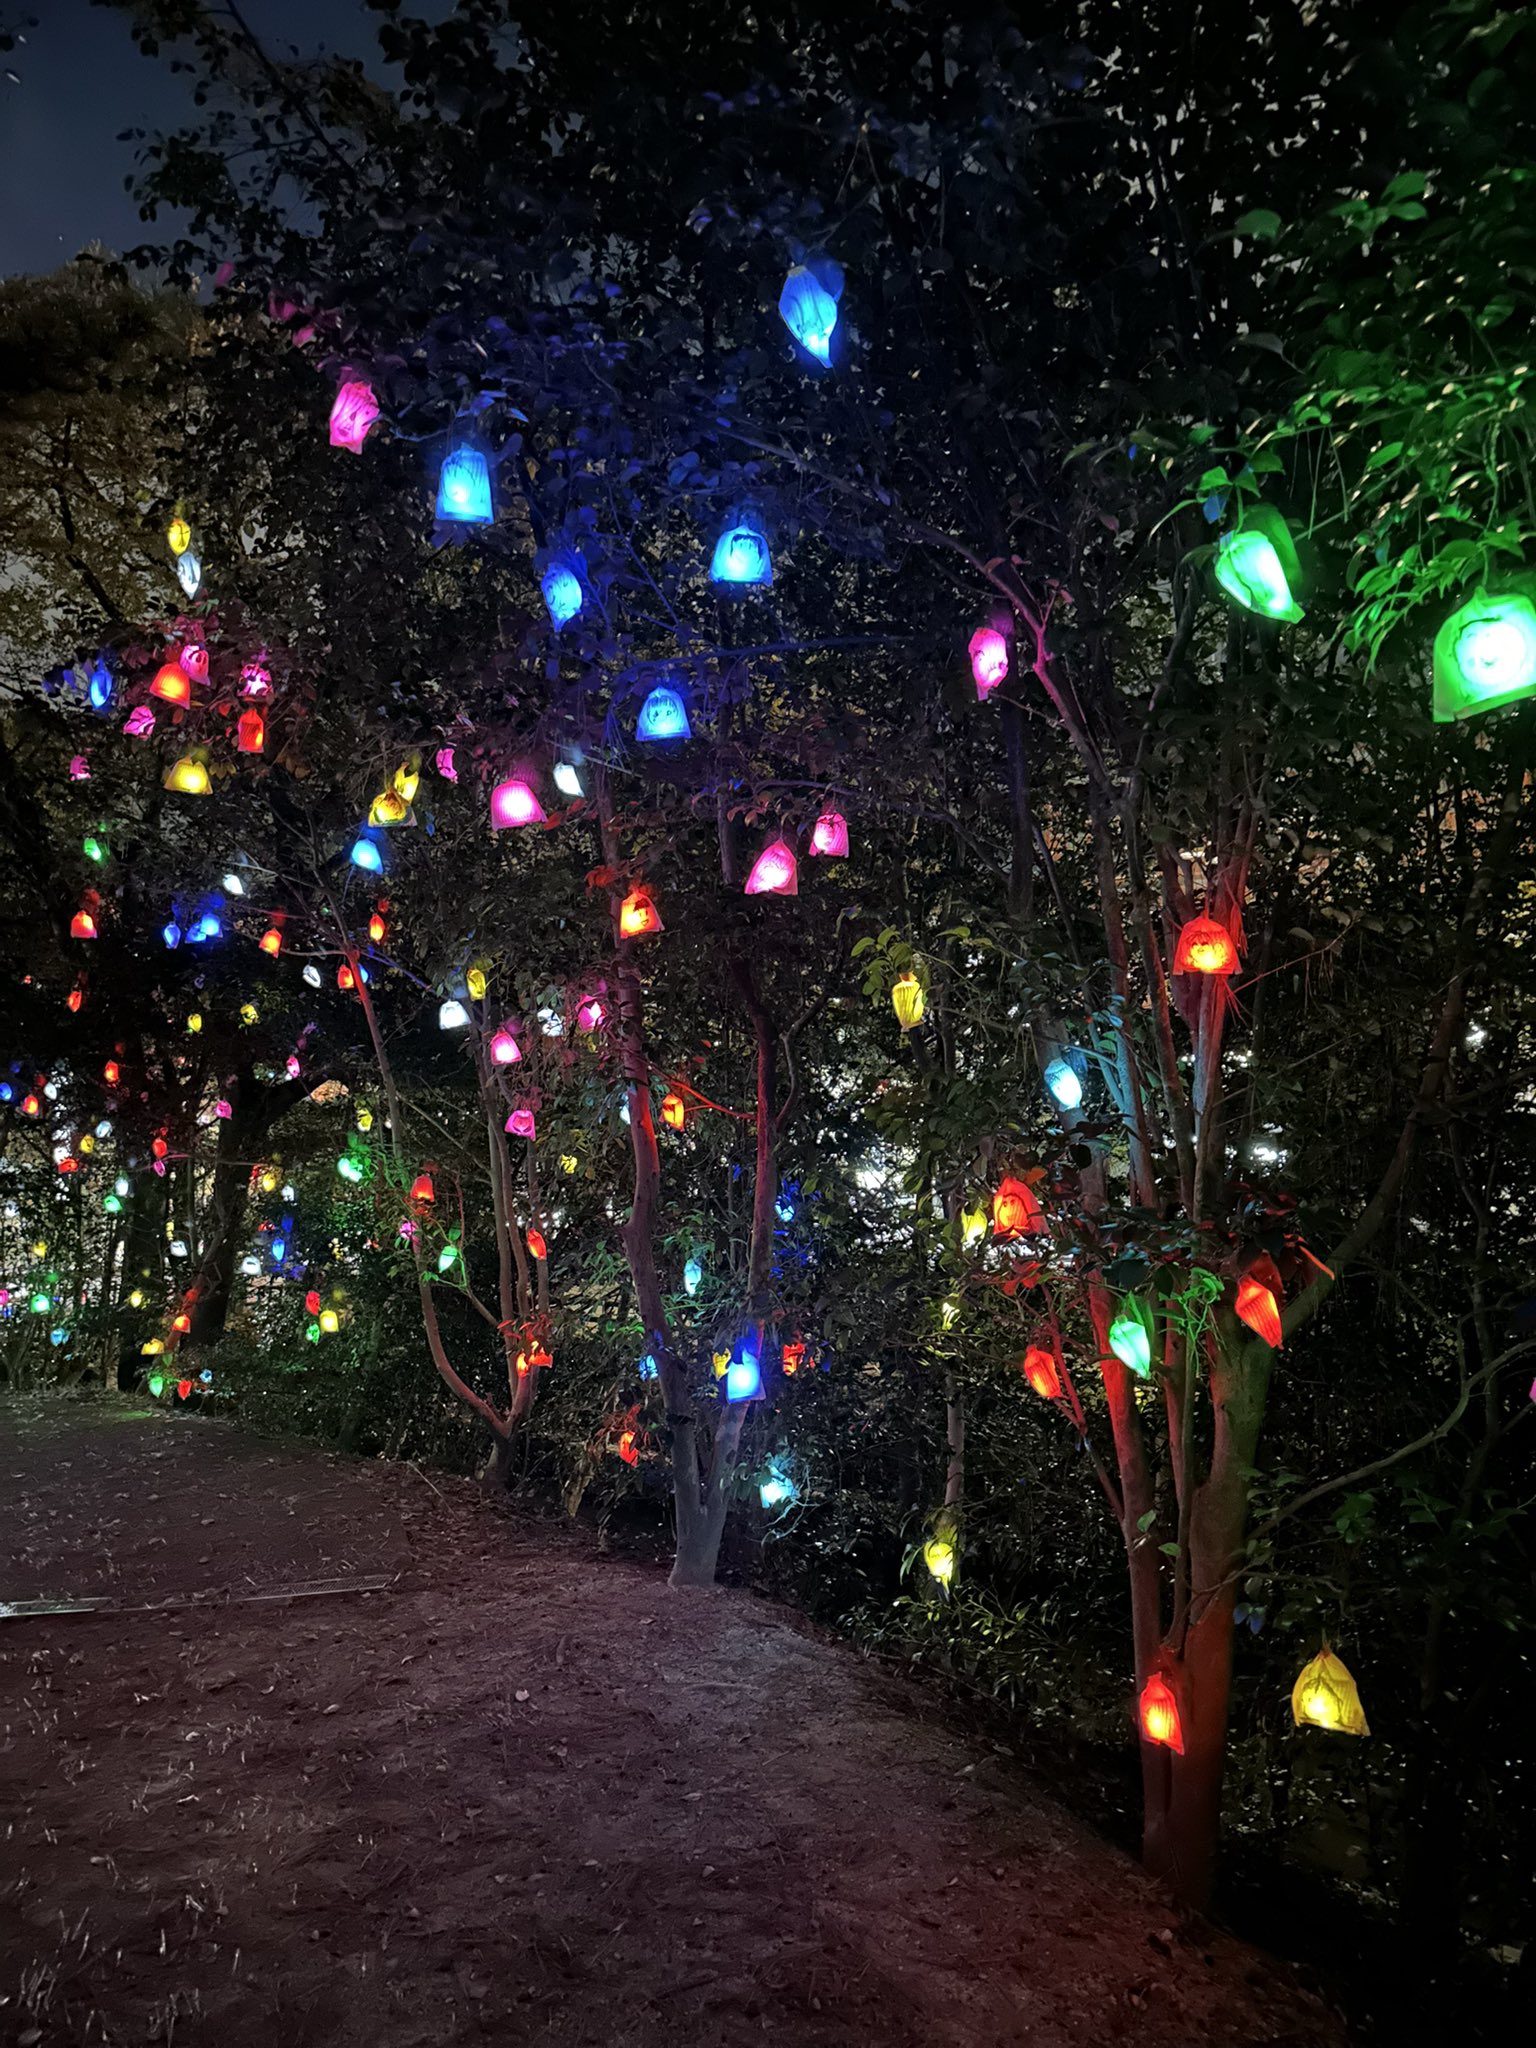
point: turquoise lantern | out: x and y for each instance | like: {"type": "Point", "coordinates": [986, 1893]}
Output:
{"type": "Point", "coordinates": [663, 716]}
{"type": "Point", "coordinates": [464, 486]}
{"type": "Point", "coordinates": [563, 594]}
{"type": "Point", "coordinates": [741, 556]}
{"type": "Point", "coordinates": [808, 307]}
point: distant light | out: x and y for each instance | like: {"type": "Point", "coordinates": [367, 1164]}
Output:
{"type": "Point", "coordinates": [232, 884]}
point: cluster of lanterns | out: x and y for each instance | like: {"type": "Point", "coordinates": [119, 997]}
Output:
{"type": "Point", "coordinates": [1324, 1696]}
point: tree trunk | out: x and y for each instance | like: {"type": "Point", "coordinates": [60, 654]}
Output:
{"type": "Point", "coordinates": [243, 1134]}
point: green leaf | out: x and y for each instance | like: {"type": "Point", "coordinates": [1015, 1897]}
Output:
{"type": "Point", "coordinates": [1260, 224]}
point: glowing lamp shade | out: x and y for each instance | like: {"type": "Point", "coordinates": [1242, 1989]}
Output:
{"type": "Point", "coordinates": [172, 683]}
{"type": "Point", "coordinates": [829, 835]}
{"type": "Point", "coordinates": [562, 592]}
{"type": "Point", "coordinates": [1039, 1369]}
{"type": "Point", "coordinates": [939, 1557]}
{"type": "Point", "coordinates": [353, 412]}
{"type": "Point", "coordinates": [674, 1111]}
{"type": "Point", "coordinates": [1485, 656]}
{"type": "Point", "coordinates": [365, 854]}
{"type": "Point", "coordinates": [1325, 1696]}
{"type": "Point", "coordinates": [638, 916]}
{"type": "Point", "coordinates": [505, 1050]}
{"type": "Point", "coordinates": [1130, 1336]}
{"type": "Point", "coordinates": [255, 680]}
{"type": "Point", "coordinates": [189, 573]}
{"type": "Point", "coordinates": [1257, 567]}
{"type": "Point", "coordinates": [537, 1245]}
{"type": "Point", "coordinates": [389, 807]}
{"type": "Point", "coordinates": [376, 926]}
{"type": "Point", "coordinates": [100, 685]}
{"type": "Point", "coordinates": [272, 941]}
{"type": "Point", "coordinates": [452, 1015]}
{"type": "Point", "coordinates": [741, 557]}
{"type": "Point", "coordinates": [568, 779]}
{"type": "Point", "coordinates": [591, 1014]}
{"type": "Point", "coordinates": [809, 310]}
{"type": "Point", "coordinates": [111, 1073]}
{"type": "Point", "coordinates": [513, 802]}
{"type": "Point", "coordinates": [909, 1001]}
{"type": "Point", "coordinates": [346, 980]}
{"type": "Point", "coordinates": [250, 732]}
{"type": "Point", "coordinates": [138, 725]}
{"type": "Point", "coordinates": [663, 716]}
{"type": "Point", "coordinates": [1015, 1212]}
{"type": "Point", "coordinates": [775, 872]}
{"type": "Point", "coordinates": [1158, 1712]}
{"type": "Point", "coordinates": [474, 982]}
{"type": "Point", "coordinates": [1257, 1307]}
{"type": "Point", "coordinates": [792, 1356]}
{"type": "Point", "coordinates": [1205, 947]}
{"type": "Point", "coordinates": [193, 661]}
{"type": "Point", "coordinates": [522, 1124]}
{"type": "Point", "coordinates": [464, 487]}
{"type": "Point", "coordinates": [743, 1376]}
{"type": "Point", "coordinates": [80, 768]}
{"type": "Point", "coordinates": [1064, 1080]}
{"type": "Point", "coordinates": [989, 659]}
{"type": "Point", "coordinates": [188, 777]}
{"type": "Point", "coordinates": [178, 536]}
{"type": "Point", "coordinates": [82, 925]}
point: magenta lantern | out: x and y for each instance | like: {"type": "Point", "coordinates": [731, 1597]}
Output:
{"type": "Point", "coordinates": [591, 1014]}
{"type": "Point", "coordinates": [353, 413]}
{"type": "Point", "coordinates": [505, 1050]}
{"type": "Point", "coordinates": [513, 803]}
{"type": "Point", "coordinates": [520, 1124]}
{"type": "Point", "coordinates": [830, 834]}
{"type": "Point", "coordinates": [989, 659]}
{"type": "Point", "coordinates": [774, 872]}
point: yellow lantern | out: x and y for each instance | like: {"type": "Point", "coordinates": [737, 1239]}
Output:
{"type": "Point", "coordinates": [40, 1248]}
{"type": "Point", "coordinates": [721, 1361]}
{"type": "Point", "coordinates": [188, 777]}
{"type": "Point", "coordinates": [195, 1022]}
{"type": "Point", "coordinates": [568, 1162]}
{"type": "Point", "coordinates": [408, 779]}
{"type": "Point", "coordinates": [330, 1322]}
{"type": "Point", "coordinates": [364, 1118]}
{"type": "Point", "coordinates": [268, 1181]}
{"type": "Point", "coordinates": [389, 807]}
{"type": "Point", "coordinates": [136, 1299]}
{"type": "Point", "coordinates": [908, 1001]}
{"type": "Point", "coordinates": [179, 535]}
{"type": "Point", "coordinates": [152, 1349]}
{"type": "Point", "coordinates": [1325, 1696]}
{"type": "Point", "coordinates": [474, 981]}
{"type": "Point", "coordinates": [939, 1557]}
{"type": "Point", "coordinates": [87, 1144]}
{"type": "Point", "coordinates": [949, 1312]}
{"type": "Point", "coordinates": [248, 1013]}
{"type": "Point", "coordinates": [973, 1225]}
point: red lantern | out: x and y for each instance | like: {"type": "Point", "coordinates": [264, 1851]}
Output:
{"type": "Point", "coordinates": [159, 1147]}
{"type": "Point", "coordinates": [376, 924]}
{"type": "Point", "coordinates": [111, 1073]}
{"type": "Point", "coordinates": [1205, 947]}
{"type": "Point", "coordinates": [181, 1324]}
{"type": "Point", "coordinates": [674, 1112]}
{"type": "Point", "coordinates": [345, 979]}
{"type": "Point", "coordinates": [82, 925]}
{"type": "Point", "coordinates": [537, 1245]}
{"type": "Point", "coordinates": [184, 1389]}
{"type": "Point", "coordinates": [312, 1301]}
{"type": "Point", "coordinates": [74, 1000]}
{"type": "Point", "coordinates": [1014, 1209]}
{"type": "Point", "coordinates": [793, 1357]}
{"type": "Point", "coordinates": [171, 684]}
{"type": "Point", "coordinates": [422, 1189]}
{"type": "Point", "coordinates": [1039, 1369]}
{"type": "Point", "coordinates": [69, 1165]}
{"type": "Point", "coordinates": [1159, 1713]}
{"type": "Point", "coordinates": [250, 732]}
{"type": "Point", "coordinates": [30, 1105]}
{"type": "Point", "coordinates": [272, 940]}
{"type": "Point", "coordinates": [1258, 1308]}
{"type": "Point", "coordinates": [627, 1450]}
{"type": "Point", "coordinates": [638, 915]}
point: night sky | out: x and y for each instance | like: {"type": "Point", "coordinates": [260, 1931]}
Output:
{"type": "Point", "coordinates": [81, 83]}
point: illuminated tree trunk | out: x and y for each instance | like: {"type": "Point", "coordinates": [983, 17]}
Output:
{"type": "Point", "coordinates": [243, 1134]}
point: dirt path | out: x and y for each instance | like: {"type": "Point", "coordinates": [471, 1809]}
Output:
{"type": "Point", "coordinates": [523, 1795]}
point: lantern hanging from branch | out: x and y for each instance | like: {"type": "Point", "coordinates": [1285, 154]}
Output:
{"type": "Point", "coordinates": [775, 872]}
{"type": "Point", "coordinates": [138, 725]}
{"type": "Point", "coordinates": [1158, 1712]}
{"type": "Point", "coordinates": [178, 536]}
{"type": "Point", "coordinates": [1039, 1369]}
{"type": "Point", "coordinates": [422, 1189]}
{"type": "Point", "coordinates": [591, 1013]}
{"type": "Point", "coordinates": [505, 1050]}
{"type": "Point", "coordinates": [1485, 656]}
{"type": "Point", "coordinates": [272, 940]}
{"type": "Point", "coordinates": [250, 732]}
{"type": "Point", "coordinates": [674, 1111]}
{"type": "Point", "coordinates": [188, 777]}
{"type": "Point", "coordinates": [829, 835]}
{"type": "Point", "coordinates": [663, 716]}
{"type": "Point", "coordinates": [536, 1244]}
{"type": "Point", "coordinates": [521, 1124]}
{"type": "Point", "coordinates": [389, 808]}
{"type": "Point", "coordinates": [82, 925]}
{"type": "Point", "coordinates": [367, 854]}
{"type": "Point", "coordinates": [989, 660]}
{"type": "Point", "coordinates": [255, 680]}
{"type": "Point", "coordinates": [638, 915]}
{"type": "Point", "coordinates": [1258, 1308]}
{"type": "Point", "coordinates": [353, 411]}
{"type": "Point", "coordinates": [1015, 1211]}
{"type": "Point", "coordinates": [193, 661]}
{"type": "Point", "coordinates": [939, 1557]}
{"type": "Point", "coordinates": [1064, 1077]}
{"type": "Point", "coordinates": [1130, 1335]}
{"type": "Point", "coordinates": [100, 683]}
{"type": "Point", "coordinates": [568, 779]}
{"type": "Point", "coordinates": [514, 802]}
{"type": "Point", "coordinates": [741, 557]}
{"type": "Point", "coordinates": [464, 487]}
{"type": "Point", "coordinates": [172, 684]}
{"type": "Point", "coordinates": [189, 573]}
{"type": "Point", "coordinates": [1256, 566]}
{"type": "Point", "coordinates": [563, 596]}
{"type": "Point", "coordinates": [1325, 1696]}
{"type": "Point", "coordinates": [909, 1001]}
{"type": "Point", "coordinates": [808, 308]}
{"type": "Point", "coordinates": [452, 1015]}
{"type": "Point", "coordinates": [693, 1277]}
{"type": "Point", "coordinates": [1205, 947]}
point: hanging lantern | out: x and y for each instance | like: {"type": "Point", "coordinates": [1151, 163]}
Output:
{"type": "Point", "coordinates": [1205, 947]}
{"type": "Point", "coordinates": [829, 835]}
{"type": "Point", "coordinates": [809, 309]}
{"type": "Point", "coordinates": [255, 680]}
{"type": "Point", "coordinates": [250, 732]}
{"type": "Point", "coordinates": [464, 487]}
{"type": "Point", "coordinates": [1130, 1335]}
{"type": "Point", "coordinates": [353, 411]}
{"type": "Point", "coordinates": [138, 725]}
{"type": "Point", "coordinates": [80, 768]}
{"type": "Point", "coordinates": [271, 941]}
{"type": "Point", "coordinates": [1039, 1369]}
{"type": "Point", "coordinates": [1258, 1308]}
{"type": "Point", "coordinates": [82, 925]}
{"type": "Point", "coordinates": [536, 1244]}
{"type": "Point", "coordinates": [444, 762]}
{"type": "Point", "coordinates": [111, 1073]}
{"type": "Point", "coordinates": [192, 660]}
{"type": "Point", "coordinates": [178, 535]}
{"type": "Point", "coordinates": [792, 1356]}
{"type": "Point", "coordinates": [638, 916]}
{"type": "Point", "coordinates": [591, 1014]}
{"type": "Point", "coordinates": [189, 573]}
{"type": "Point", "coordinates": [775, 872]}
{"type": "Point", "coordinates": [1325, 1696]}
{"type": "Point", "coordinates": [1064, 1079]}
{"type": "Point", "coordinates": [562, 592]}
{"type": "Point", "coordinates": [674, 1112]}
{"type": "Point", "coordinates": [973, 1226]}
{"type": "Point", "coordinates": [172, 683]}
{"type": "Point", "coordinates": [505, 1050]}
{"type": "Point", "coordinates": [475, 981]}
{"type": "Point", "coordinates": [389, 807]}
{"type": "Point", "coordinates": [663, 716]}
{"type": "Point", "coordinates": [346, 980]}
{"type": "Point", "coordinates": [521, 1124]}
{"type": "Point", "coordinates": [513, 802]}
{"type": "Point", "coordinates": [568, 779]}
{"type": "Point", "coordinates": [376, 924]}
{"type": "Point", "coordinates": [406, 779]}
{"type": "Point", "coordinates": [1485, 655]}
{"type": "Point", "coordinates": [1256, 566]}
{"type": "Point", "coordinates": [1015, 1211]}
{"type": "Point", "coordinates": [939, 1557]}
{"type": "Point", "coordinates": [100, 683]}
{"type": "Point", "coordinates": [452, 1015]}
{"type": "Point", "coordinates": [188, 777]}
{"type": "Point", "coordinates": [195, 1022]}
{"type": "Point", "coordinates": [422, 1189]}
{"type": "Point", "coordinates": [367, 855]}
{"type": "Point", "coordinates": [909, 1001]}
{"type": "Point", "coordinates": [743, 1375]}
{"type": "Point", "coordinates": [741, 557]}
{"type": "Point", "coordinates": [989, 660]}
{"type": "Point", "coordinates": [1158, 1712]}
{"type": "Point", "coordinates": [249, 1014]}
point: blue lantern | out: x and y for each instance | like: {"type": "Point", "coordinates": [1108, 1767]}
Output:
{"type": "Point", "coordinates": [809, 310]}
{"type": "Point", "coordinates": [784, 1208]}
{"type": "Point", "coordinates": [207, 927]}
{"type": "Point", "coordinates": [647, 1367]}
{"type": "Point", "coordinates": [776, 1489]}
{"type": "Point", "coordinates": [366, 855]}
{"type": "Point", "coordinates": [741, 556]}
{"type": "Point", "coordinates": [693, 1276]}
{"type": "Point", "coordinates": [743, 1377]}
{"type": "Point", "coordinates": [563, 594]}
{"type": "Point", "coordinates": [7, 1092]}
{"type": "Point", "coordinates": [100, 684]}
{"type": "Point", "coordinates": [464, 487]}
{"type": "Point", "coordinates": [663, 716]}
{"type": "Point", "coordinates": [1064, 1079]}
{"type": "Point", "coordinates": [171, 933]}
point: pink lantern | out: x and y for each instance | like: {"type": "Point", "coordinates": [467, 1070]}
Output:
{"type": "Point", "coordinates": [774, 872]}
{"type": "Point", "coordinates": [193, 661]}
{"type": "Point", "coordinates": [445, 764]}
{"type": "Point", "coordinates": [80, 768]}
{"type": "Point", "coordinates": [139, 723]}
{"type": "Point", "coordinates": [830, 834]}
{"type": "Point", "coordinates": [514, 803]}
{"type": "Point", "coordinates": [255, 680]}
{"type": "Point", "coordinates": [353, 413]}
{"type": "Point", "coordinates": [159, 1168]}
{"type": "Point", "coordinates": [505, 1050]}
{"type": "Point", "coordinates": [222, 1109]}
{"type": "Point", "coordinates": [293, 1066]}
{"type": "Point", "coordinates": [591, 1014]}
{"type": "Point", "coordinates": [989, 659]}
{"type": "Point", "coordinates": [520, 1123]}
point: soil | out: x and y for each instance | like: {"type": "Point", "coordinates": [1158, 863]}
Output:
{"type": "Point", "coordinates": [520, 1794]}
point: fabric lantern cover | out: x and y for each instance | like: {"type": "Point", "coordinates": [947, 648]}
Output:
{"type": "Point", "coordinates": [188, 777]}
{"type": "Point", "coordinates": [172, 683]}
{"type": "Point", "coordinates": [1485, 656]}
{"type": "Point", "coordinates": [638, 915]}
{"type": "Point", "coordinates": [989, 660]}
{"type": "Point", "coordinates": [178, 536]}
{"type": "Point", "coordinates": [353, 411]}
{"type": "Point", "coordinates": [1158, 1712]}
{"type": "Point", "coordinates": [1256, 566]}
{"type": "Point", "coordinates": [82, 925]}
{"type": "Point", "coordinates": [250, 732]}
{"type": "Point", "coordinates": [909, 1001]}
{"type": "Point", "coordinates": [1064, 1079]}
{"type": "Point", "coordinates": [452, 1015]}
{"type": "Point", "coordinates": [189, 573]}
{"type": "Point", "coordinates": [808, 309]}
{"type": "Point", "coordinates": [775, 872]}
{"type": "Point", "coordinates": [1014, 1209]}
{"type": "Point", "coordinates": [563, 596]}
{"type": "Point", "coordinates": [1039, 1369]}
{"type": "Point", "coordinates": [743, 1375]}
{"type": "Point", "coordinates": [663, 716]}
{"type": "Point", "coordinates": [1325, 1696]}
{"type": "Point", "coordinates": [741, 557]}
{"type": "Point", "coordinates": [829, 835]}
{"type": "Point", "coordinates": [464, 487]}
{"type": "Point", "coordinates": [521, 1124]}
{"type": "Point", "coordinates": [505, 1050]}
{"type": "Point", "coordinates": [536, 1243]}
{"type": "Point", "coordinates": [1130, 1335]}
{"type": "Point", "coordinates": [1205, 947]}
{"type": "Point", "coordinates": [366, 854]}
{"type": "Point", "coordinates": [1258, 1308]}
{"type": "Point", "coordinates": [514, 802]}
{"type": "Point", "coordinates": [674, 1111]}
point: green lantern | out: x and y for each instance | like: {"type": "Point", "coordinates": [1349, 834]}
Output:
{"type": "Point", "coordinates": [1256, 566]}
{"type": "Point", "coordinates": [156, 1385]}
{"type": "Point", "coordinates": [1485, 655]}
{"type": "Point", "coordinates": [1130, 1335]}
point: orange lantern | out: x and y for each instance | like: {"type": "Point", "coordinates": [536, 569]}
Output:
{"type": "Point", "coordinates": [638, 915]}
{"type": "Point", "coordinates": [1158, 1710]}
{"type": "Point", "coordinates": [111, 1073]}
{"type": "Point", "coordinates": [537, 1245]}
{"type": "Point", "coordinates": [376, 925]}
{"type": "Point", "coordinates": [171, 683]}
{"type": "Point", "coordinates": [182, 1323]}
{"type": "Point", "coordinates": [1205, 947]}
{"type": "Point", "coordinates": [158, 1147]}
{"type": "Point", "coordinates": [422, 1189]}
{"type": "Point", "coordinates": [30, 1105]}
{"type": "Point", "coordinates": [793, 1356]}
{"type": "Point", "coordinates": [627, 1450]}
{"type": "Point", "coordinates": [82, 925]}
{"type": "Point", "coordinates": [1014, 1209]}
{"type": "Point", "coordinates": [250, 732]}
{"type": "Point", "coordinates": [74, 1000]}
{"type": "Point", "coordinates": [272, 940]}
{"type": "Point", "coordinates": [1258, 1308]}
{"type": "Point", "coordinates": [674, 1112]}
{"type": "Point", "coordinates": [345, 978]}
{"type": "Point", "coordinates": [1039, 1368]}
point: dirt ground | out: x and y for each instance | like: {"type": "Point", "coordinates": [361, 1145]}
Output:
{"type": "Point", "coordinates": [521, 1794]}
